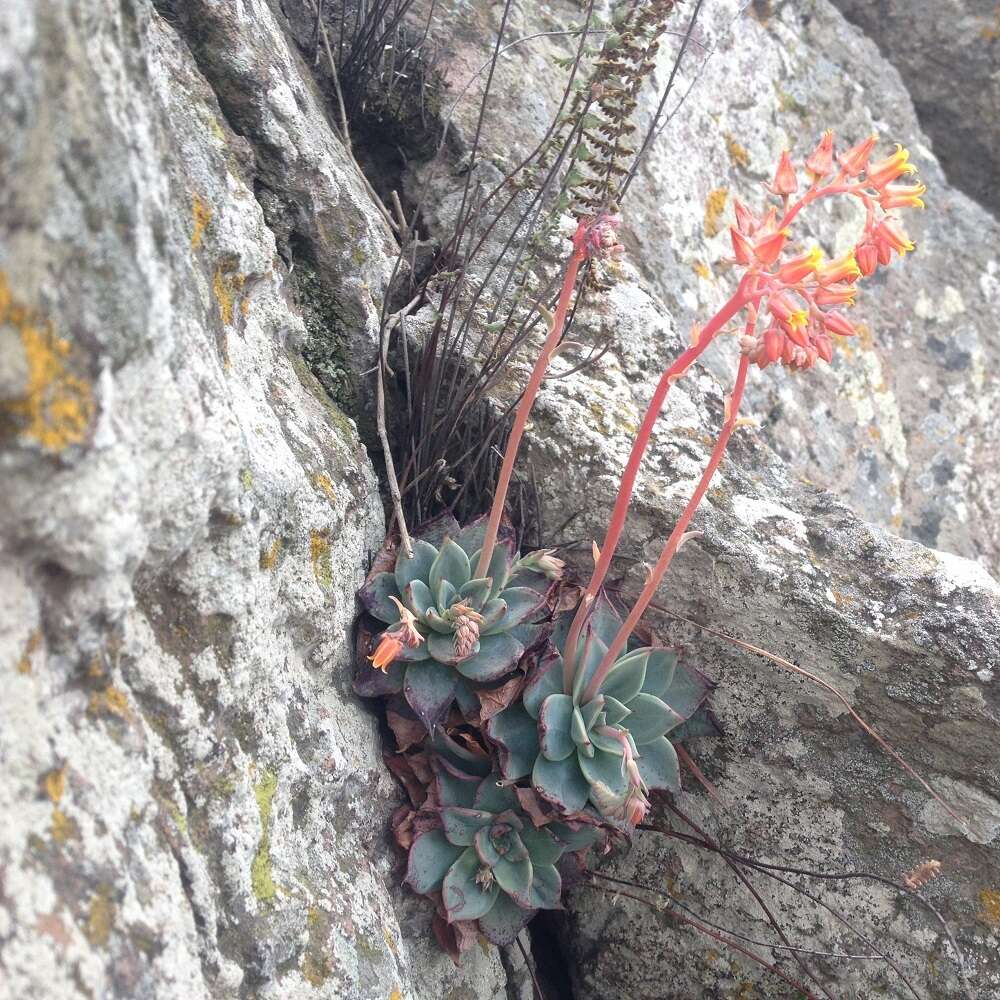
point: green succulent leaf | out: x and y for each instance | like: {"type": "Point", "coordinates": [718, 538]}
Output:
{"type": "Point", "coordinates": [430, 858]}
{"type": "Point", "coordinates": [578, 729]}
{"type": "Point", "coordinates": [413, 654]}
{"type": "Point", "coordinates": [455, 788]}
{"type": "Point", "coordinates": [468, 702]}
{"type": "Point", "coordinates": [471, 538]}
{"type": "Point", "coordinates": [544, 679]}
{"type": "Point", "coordinates": [418, 598]}
{"type": "Point", "coordinates": [650, 718]}
{"type": "Point", "coordinates": [624, 681]}
{"type": "Point", "coordinates": [660, 668]}
{"type": "Point", "coordinates": [521, 603]}
{"type": "Point", "coordinates": [442, 648]}
{"type": "Point", "coordinates": [546, 888]}
{"type": "Point", "coordinates": [514, 877]}
{"type": "Point", "coordinates": [462, 825]}
{"type": "Point", "coordinates": [494, 797]}
{"type": "Point", "coordinates": [500, 565]}
{"type": "Point", "coordinates": [375, 594]}
{"type": "Point", "coordinates": [604, 621]}
{"type": "Point", "coordinates": [464, 898]}
{"type": "Point", "coordinates": [702, 723]}
{"type": "Point", "coordinates": [591, 653]}
{"type": "Point", "coordinates": [615, 711]}
{"type": "Point", "coordinates": [574, 839]}
{"type": "Point", "coordinates": [686, 692]}
{"type": "Point", "coordinates": [451, 564]}
{"type": "Point", "coordinates": [440, 625]}
{"type": "Point", "coordinates": [590, 712]}
{"type": "Point", "coordinates": [493, 611]}
{"type": "Point", "coordinates": [497, 655]}
{"type": "Point", "coordinates": [416, 568]}
{"type": "Point", "coordinates": [542, 846]}
{"type": "Point", "coordinates": [504, 921]}
{"type": "Point", "coordinates": [446, 594]}
{"type": "Point", "coordinates": [461, 757]}
{"type": "Point", "coordinates": [370, 682]}
{"type": "Point", "coordinates": [516, 735]}
{"type": "Point", "coordinates": [561, 783]}
{"type": "Point", "coordinates": [605, 768]}
{"type": "Point", "coordinates": [658, 765]}
{"type": "Point", "coordinates": [485, 848]}
{"type": "Point", "coordinates": [554, 723]}
{"type": "Point", "coordinates": [429, 688]}
{"type": "Point", "coordinates": [476, 593]}
{"type": "Point", "coordinates": [607, 744]}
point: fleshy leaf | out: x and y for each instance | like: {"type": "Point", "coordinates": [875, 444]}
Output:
{"type": "Point", "coordinates": [493, 797]}
{"type": "Point", "coordinates": [430, 858]}
{"type": "Point", "coordinates": [446, 593]}
{"type": "Point", "coordinates": [452, 564]}
{"type": "Point", "coordinates": [468, 702]}
{"type": "Point", "coordinates": [429, 688]}
{"type": "Point", "coordinates": [500, 565]}
{"type": "Point", "coordinates": [485, 848]}
{"type": "Point", "coordinates": [370, 682]}
{"type": "Point", "coordinates": [615, 711]}
{"type": "Point", "coordinates": [702, 723]}
{"type": "Point", "coordinates": [440, 625]}
{"type": "Point", "coordinates": [459, 756]}
{"type": "Point", "coordinates": [544, 679]}
{"type": "Point", "coordinates": [416, 568]}
{"type": "Point", "coordinates": [624, 681]}
{"type": "Point", "coordinates": [606, 768]}
{"type": "Point", "coordinates": [464, 898]}
{"type": "Point", "coordinates": [546, 887]}
{"type": "Point", "coordinates": [475, 593]}
{"type": "Point", "coordinates": [604, 620]}
{"type": "Point", "coordinates": [561, 783]}
{"type": "Point", "coordinates": [650, 718]}
{"type": "Point", "coordinates": [521, 603]}
{"type": "Point", "coordinates": [542, 846]}
{"type": "Point", "coordinates": [592, 650]}
{"type": "Point", "coordinates": [660, 669]}
{"type": "Point", "coordinates": [418, 597]}
{"type": "Point", "coordinates": [574, 839]}
{"type": "Point", "coordinates": [514, 877]}
{"type": "Point", "coordinates": [442, 648]}
{"type": "Point", "coordinates": [504, 921]}
{"type": "Point", "coordinates": [472, 536]}
{"type": "Point", "coordinates": [516, 735]}
{"type": "Point", "coordinates": [497, 655]}
{"type": "Point", "coordinates": [687, 692]}
{"type": "Point", "coordinates": [461, 825]}
{"type": "Point", "coordinates": [413, 654]}
{"type": "Point", "coordinates": [608, 744]}
{"type": "Point", "coordinates": [492, 612]}
{"type": "Point", "coordinates": [658, 765]}
{"type": "Point", "coordinates": [375, 594]}
{"type": "Point", "coordinates": [554, 723]}
{"type": "Point", "coordinates": [438, 529]}
{"type": "Point", "coordinates": [578, 729]}
{"type": "Point", "coordinates": [455, 787]}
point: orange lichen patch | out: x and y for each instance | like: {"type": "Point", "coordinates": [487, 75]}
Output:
{"type": "Point", "coordinates": [226, 286]}
{"type": "Point", "coordinates": [322, 562]}
{"type": "Point", "coordinates": [57, 405]}
{"type": "Point", "coordinates": [715, 205]}
{"type": "Point", "coordinates": [110, 701]}
{"type": "Point", "coordinates": [395, 995]}
{"type": "Point", "coordinates": [269, 557]}
{"type": "Point", "coordinates": [737, 153]}
{"type": "Point", "coordinates": [63, 828]}
{"type": "Point", "coordinates": [991, 32]}
{"type": "Point", "coordinates": [989, 902]}
{"type": "Point", "coordinates": [324, 483]}
{"type": "Point", "coordinates": [201, 214]}
{"type": "Point", "coordinates": [100, 917]}
{"type": "Point", "coordinates": [702, 270]}
{"type": "Point", "coordinates": [30, 648]}
{"type": "Point", "coordinates": [54, 784]}
{"type": "Point", "coordinates": [874, 432]}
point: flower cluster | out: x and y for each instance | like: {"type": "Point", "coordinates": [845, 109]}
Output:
{"type": "Point", "coordinates": [804, 296]}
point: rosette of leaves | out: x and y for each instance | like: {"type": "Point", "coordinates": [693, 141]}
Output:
{"type": "Point", "coordinates": [574, 746]}
{"type": "Point", "coordinates": [474, 630]}
{"type": "Point", "coordinates": [487, 859]}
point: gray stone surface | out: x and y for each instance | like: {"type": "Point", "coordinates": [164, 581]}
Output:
{"type": "Point", "coordinates": [949, 54]}
{"type": "Point", "coordinates": [194, 803]}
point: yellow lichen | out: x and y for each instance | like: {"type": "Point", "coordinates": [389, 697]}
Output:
{"type": "Point", "coordinates": [261, 878]}
{"type": "Point", "coordinates": [202, 216]}
{"type": "Point", "coordinates": [715, 205]}
{"type": "Point", "coordinates": [269, 557]}
{"type": "Point", "coordinates": [226, 286]}
{"type": "Point", "coordinates": [989, 901]}
{"type": "Point", "coordinates": [57, 406]}
{"type": "Point", "coordinates": [322, 562]}
{"type": "Point", "coordinates": [63, 828]}
{"type": "Point", "coordinates": [395, 995]}
{"type": "Point", "coordinates": [323, 482]}
{"type": "Point", "coordinates": [54, 784]}
{"type": "Point", "coordinates": [110, 701]}
{"type": "Point", "coordinates": [100, 917]}
{"type": "Point", "coordinates": [30, 647]}
{"type": "Point", "coordinates": [389, 940]}
{"type": "Point", "coordinates": [702, 270]}
{"type": "Point", "coordinates": [737, 153]}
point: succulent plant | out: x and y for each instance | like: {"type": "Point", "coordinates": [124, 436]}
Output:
{"type": "Point", "coordinates": [448, 629]}
{"type": "Point", "coordinates": [487, 858]}
{"type": "Point", "coordinates": [606, 749]}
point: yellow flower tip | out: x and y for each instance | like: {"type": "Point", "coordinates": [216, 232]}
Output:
{"type": "Point", "coordinates": [798, 318]}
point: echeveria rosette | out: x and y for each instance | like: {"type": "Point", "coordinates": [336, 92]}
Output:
{"type": "Point", "coordinates": [487, 859]}
{"type": "Point", "coordinates": [474, 631]}
{"type": "Point", "coordinates": [605, 751]}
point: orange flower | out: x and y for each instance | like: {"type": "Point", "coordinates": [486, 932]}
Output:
{"type": "Point", "coordinates": [785, 182]}
{"type": "Point", "coordinates": [856, 158]}
{"type": "Point", "coordinates": [842, 269]}
{"type": "Point", "coordinates": [837, 324]}
{"type": "Point", "coordinates": [820, 161]}
{"type": "Point", "coordinates": [882, 172]}
{"type": "Point", "coordinates": [800, 267]}
{"type": "Point", "coordinates": [386, 652]}
{"type": "Point", "coordinates": [902, 196]}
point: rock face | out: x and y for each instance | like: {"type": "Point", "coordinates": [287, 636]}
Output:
{"type": "Point", "coordinates": [949, 53]}
{"type": "Point", "coordinates": [195, 805]}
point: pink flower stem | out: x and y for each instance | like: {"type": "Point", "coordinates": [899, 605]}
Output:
{"type": "Point", "coordinates": [744, 294]}
{"type": "Point", "coordinates": [676, 536]}
{"type": "Point", "coordinates": [527, 401]}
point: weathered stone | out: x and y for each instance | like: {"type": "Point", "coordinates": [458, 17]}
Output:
{"type": "Point", "coordinates": [195, 804]}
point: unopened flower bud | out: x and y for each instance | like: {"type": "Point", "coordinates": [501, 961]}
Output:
{"type": "Point", "coordinates": [820, 161]}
